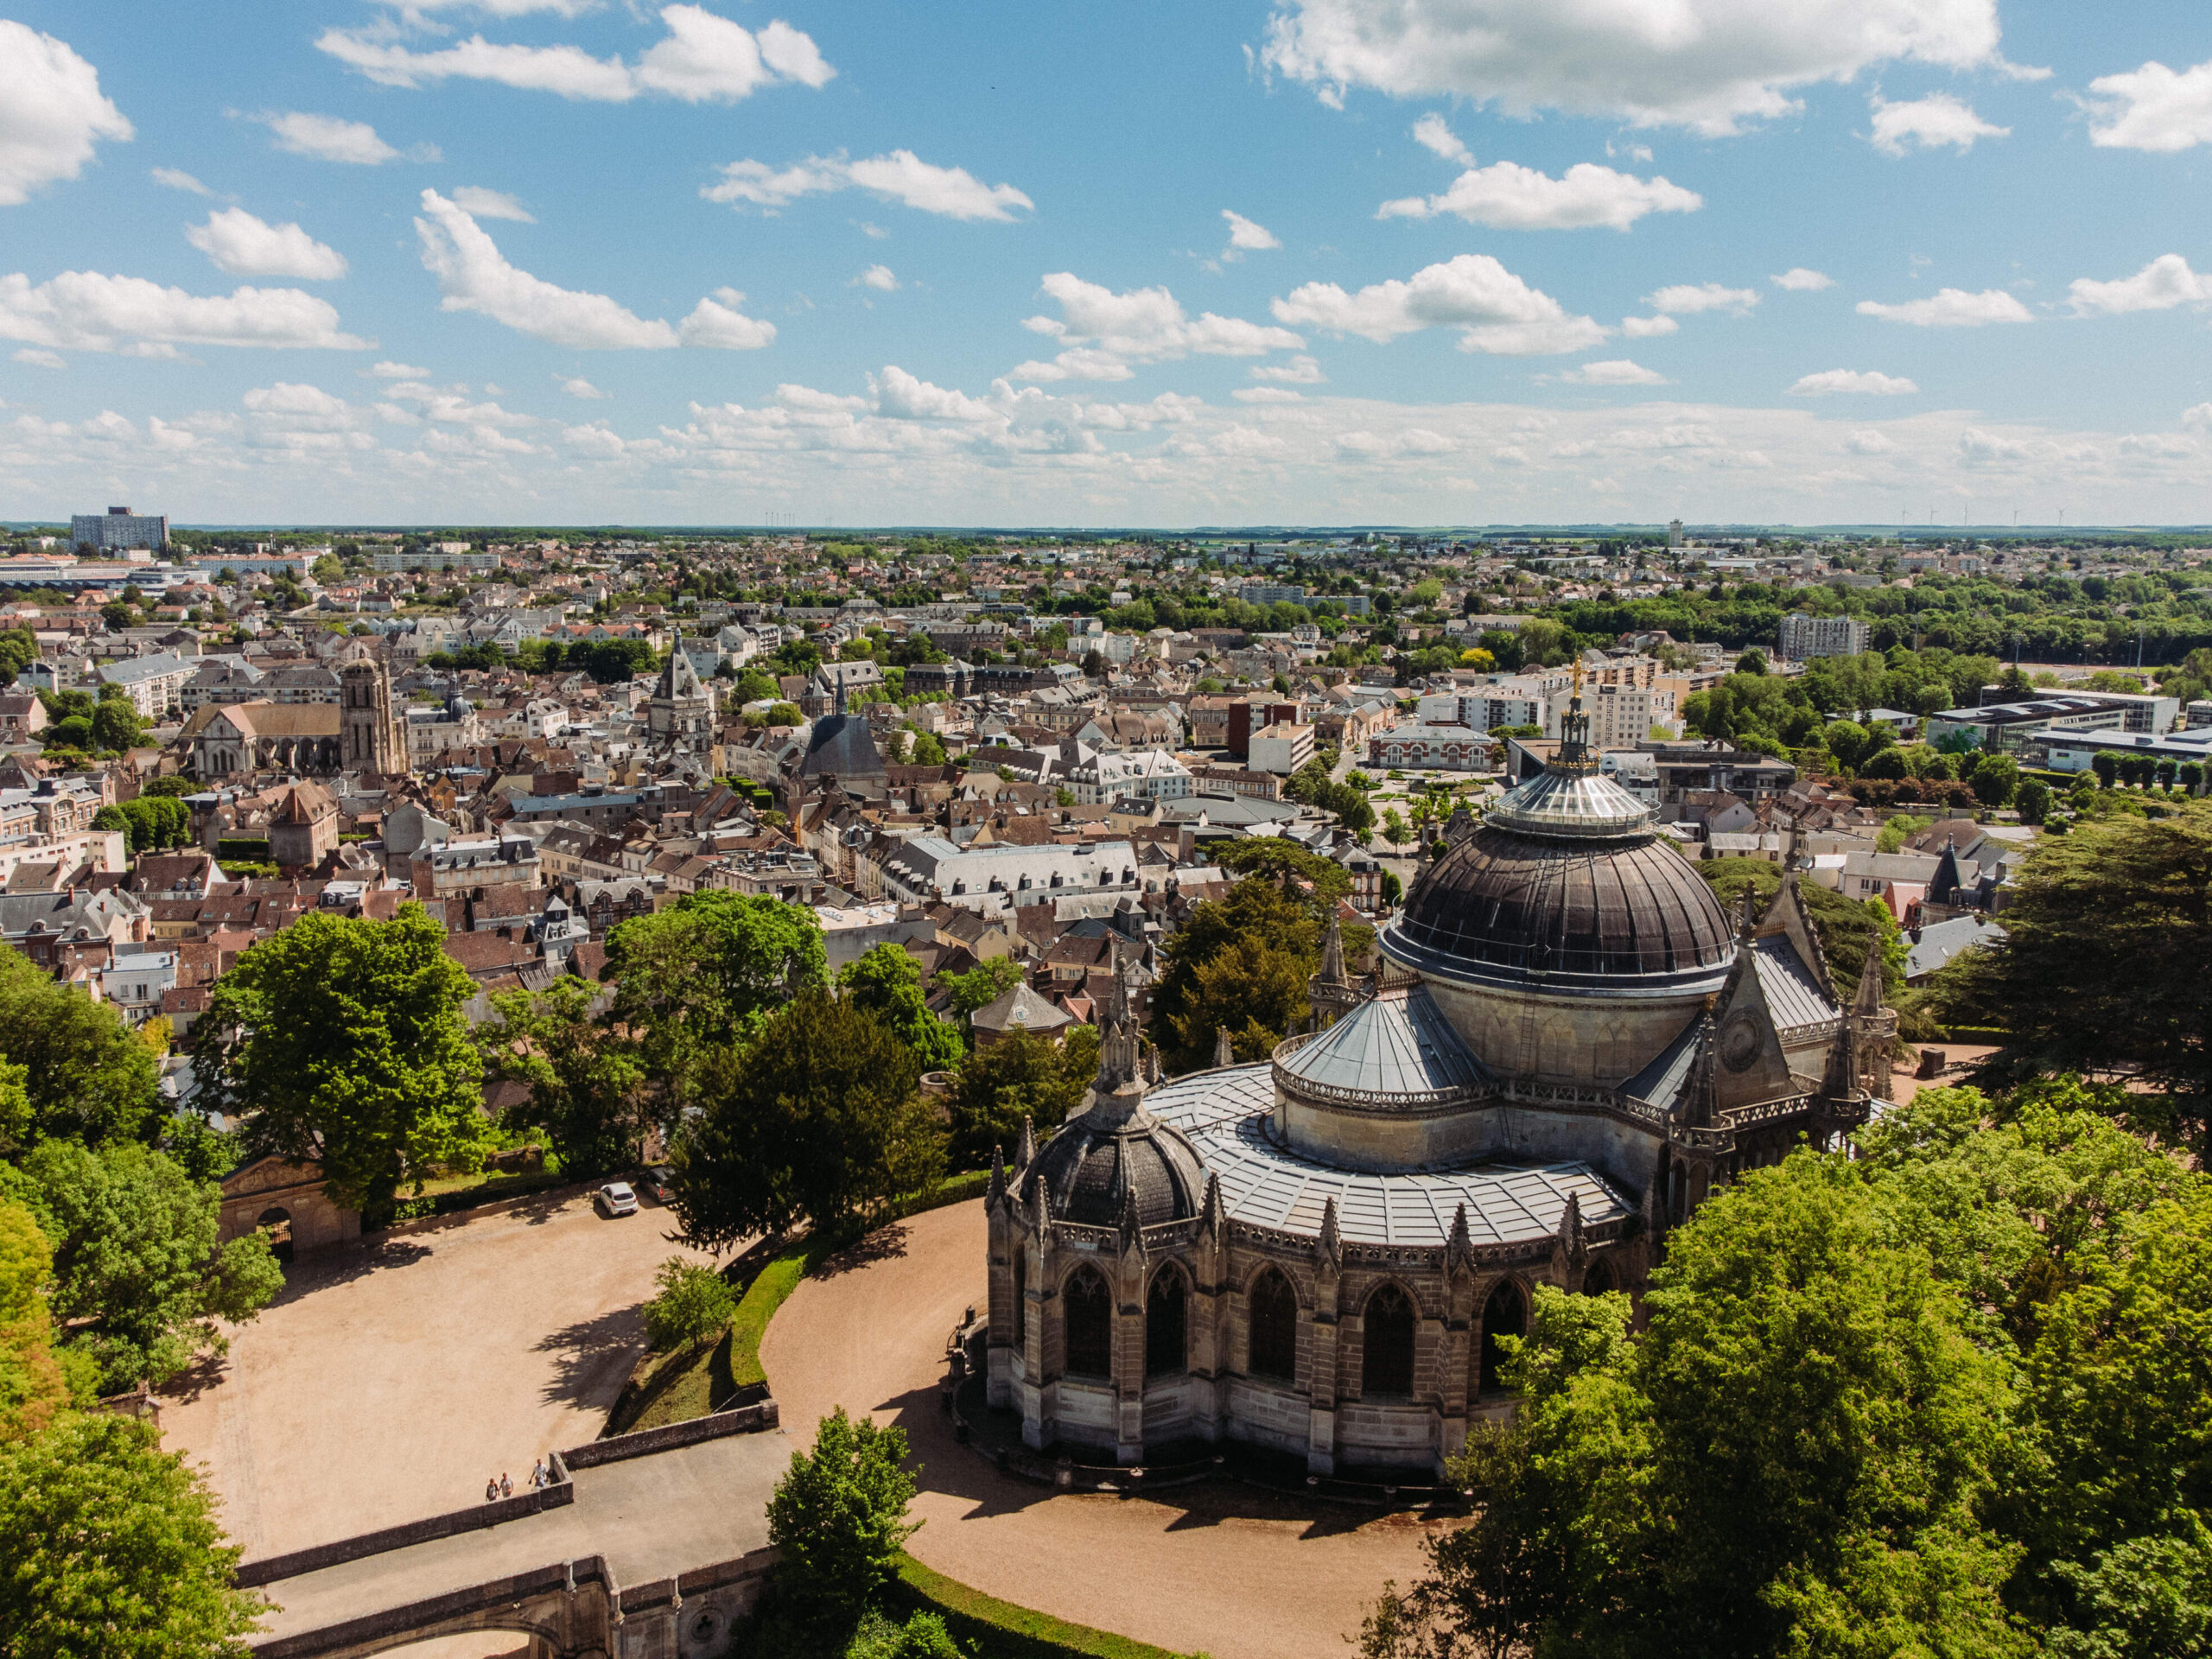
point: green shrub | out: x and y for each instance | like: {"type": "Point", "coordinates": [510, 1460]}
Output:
{"type": "Point", "coordinates": [839, 1518]}
{"type": "Point", "coordinates": [692, 1302]}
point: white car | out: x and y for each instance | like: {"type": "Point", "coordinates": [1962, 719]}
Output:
{"type": "Point", "coordinates": [616, 1198]}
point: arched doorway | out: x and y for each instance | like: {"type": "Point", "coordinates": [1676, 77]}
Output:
{"type": "Point", "coordinates": [278, 1224]}
{"type": "Point", "coordinates": [1166, 1323]}
{"type": "Point", "coordinates": [1087, 1316]}
{"type": "Point", "coordinates": [1274, 1328]}
{"type": "Point", "coordinates": [1506, 1314]}
{"type": "Point", "coordinates": [1387, 1345]}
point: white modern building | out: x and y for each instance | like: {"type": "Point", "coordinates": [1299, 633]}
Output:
{"type": "Point", "coordinates": [1804, 637]}
{"type": "Point", "coordinates": [1109, 775]}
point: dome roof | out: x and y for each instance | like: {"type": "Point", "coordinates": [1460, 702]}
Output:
{"type": "Point", "coordinates": [1091, 1172]}
{"type": "Point", "coordinates": [1505, 905]}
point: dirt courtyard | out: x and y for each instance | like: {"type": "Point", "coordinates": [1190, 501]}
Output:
{"type": "Point", "coordinates": [392, 1377]}
{"type": "Point", "coordinates": [1236, 1573]}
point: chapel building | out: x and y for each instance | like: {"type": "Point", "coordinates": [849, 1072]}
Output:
{"type": "Point", "coordinates": [1568, 1046]}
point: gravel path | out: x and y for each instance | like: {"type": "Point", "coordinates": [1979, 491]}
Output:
{"type": "Point", "coordinates": [1233, 1571]}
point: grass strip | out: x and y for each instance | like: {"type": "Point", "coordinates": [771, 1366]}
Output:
{"type": "Point", "coordinates": [998, 1630]}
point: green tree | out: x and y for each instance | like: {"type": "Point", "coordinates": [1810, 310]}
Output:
{"type": "Point", "coordinates": [108, 1546]}
{"type": "Point", "coordinates": [1790, 1460]}
{"type": "Point", "coordinates": [838, 1519]}
{"type": "Point", "coordinates": [2106, 936]}
{"type": "Point", "coordinates": [71, 1067]}
{"type": "Point", "coordinates": [1241, 963]}
{"type": "Point", "coordinates": [689, 1303]}
{"type": "Point", "coordinates": [2106, 764]}
{"type": "Point", "coordinates": [1021, 1075]}
{"type": "Point", "coordinates": [704, 974]}
{"type": "Point", "coordinates": [1996, 777]}
{"type": "Point", "coordinates": [138, 1278]}
{"type": "Point", "coordinates": [2033, 800]}
{"type": "Point", "coordinates": [814, 1120]}
{"type": "Point", "coordinates": [1751, 662]}
{"type": "Point", "coordinates": [341, 1039]}
{"type": "Point", "coordinates": [116, 722]}
{"type": "Point", "coordinates": [981, 985]}
{"type": "Point", "coordinates": [585, 1085]}
{"type": "Point", "coordinates": [33, 1385]}
{"type": "Point", "coordinates": [887, 983]}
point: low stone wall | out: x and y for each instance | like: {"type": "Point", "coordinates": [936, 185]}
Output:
{"type": "Point", "coordinates": [459, 1607]}
{"type": "Point", "coordinates": [737, 1419]}
{"type": "Point", "coordinates": [271, 1568]}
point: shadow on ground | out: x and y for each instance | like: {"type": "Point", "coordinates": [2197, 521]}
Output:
{"type": "Point", "coordinates": [595, 1357]}
{"type": "Point", "coordinates": [962, 1471]}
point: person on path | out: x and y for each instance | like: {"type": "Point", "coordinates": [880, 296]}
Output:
{"type": "Point", "coordinates": [491, 1491]}
{"type": "Point", "coordinates": [506, 1487]}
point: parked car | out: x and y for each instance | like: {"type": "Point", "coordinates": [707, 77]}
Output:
{"type": "Point", "coordinates": [616, 1198]}
{"type": "Point", "coordinates": [660, 1181]}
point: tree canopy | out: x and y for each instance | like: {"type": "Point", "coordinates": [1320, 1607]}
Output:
{"type": "Point", "coordinates": [585, 1085]}
{"type": "Point", "coordinates": [887, 983]}
{"type": "Point", "coordinates": [341, 1039]}
{"type": "Point", "coordinates": [68, 1066]}
{"type": "Point", "coordinates": [1021, 1075]}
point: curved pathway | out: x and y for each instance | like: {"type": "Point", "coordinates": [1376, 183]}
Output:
{"type": "Point", "coordinates": [1236, 1573]}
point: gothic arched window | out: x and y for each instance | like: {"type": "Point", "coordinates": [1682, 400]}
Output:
{"type": "Point", "coordinates": [1387, 1345]}
{"type": "Point", "coordinates": [1020, 1296]}
{"type": "Point", "coordinates": [1505, 1315]}
{"type": "Point", "coordinates": [1274, 1327]}
{"type": "Point", "coordinates": [1087, 1313]}
{"type": "Point", "coordinates": [1166, 1324]}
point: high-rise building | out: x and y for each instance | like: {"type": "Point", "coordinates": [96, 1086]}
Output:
{"type": "Point", "coordinates": [1803, 637]}
{"type": "Point", "coordinates": [1674, 536]}
{"type": "Point", "coordinates": [118, 527]}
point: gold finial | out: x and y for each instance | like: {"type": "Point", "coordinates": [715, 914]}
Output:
{"type": "Point", "coordinates": [1578, 677]}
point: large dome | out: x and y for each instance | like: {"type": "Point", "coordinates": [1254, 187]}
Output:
{"type": "Point", "coordinates": [1566, 882]}
{"type": "Point", "coordinates": [1091, 1170]}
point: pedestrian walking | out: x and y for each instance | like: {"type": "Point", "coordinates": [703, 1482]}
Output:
{"type": "Point", "coordinates": [491, 1491]}
{"type": "Point", "coordinates": [506, 1487]}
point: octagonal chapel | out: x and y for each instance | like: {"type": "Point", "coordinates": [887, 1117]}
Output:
{"type": "Point", "coordinates": [1568, 1045]}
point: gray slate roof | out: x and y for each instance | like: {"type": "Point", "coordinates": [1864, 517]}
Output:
{"type": "Point", "coordinates": [1398, 1043]}
{"type": "Point", "coordinates": [1224, 1113]}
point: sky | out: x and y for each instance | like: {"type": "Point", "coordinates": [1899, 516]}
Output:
{"type": "Point", "coordinates": [812, 261]}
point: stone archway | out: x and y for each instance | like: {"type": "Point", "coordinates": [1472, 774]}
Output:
{"type": "Point", "coordinates": [277, 1223]}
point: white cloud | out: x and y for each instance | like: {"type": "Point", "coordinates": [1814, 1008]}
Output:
{"type": "Point", "coordinates": [2152, 108]}
{"type": "Point", "coordinates": [900, 176]}
{"type": "Point", "coordinates": [175, 179]}
{"type": "Point", "coordinates": [1981, 448]}
{"type": "Point", "coordinates": [1105, 331]}
{"type": "Point", "coordinates": [1689, 299]}
{"type": "Point", "coordinates": [716, 324]}
{"type": "Point", "coordinates": [2197, 416]}
{"type": "Point", "coordinates": [1300, 371]}
{"type": "Point", "coordinates": [1648, 327]}
{"type": "Point", "coordinates": [1267, 395]}
{"type": "Point", "coordinates": [326, 138]}
{"type": "Point", "coordinates": [1618, 372]}
{"type": "Point", "coordinates": [1870, 381]}
{"type": "Point", "coordinates": [2166, 282]}
{"type": "Point", "coordinates": [1868, 442]}
{"type": "Point", "coordinates": [474, 276]}
{"type": "Point", "coordinates": [879, 278]}
{"type": "Point", "coordinates": [903, 397]}
{"type": "Point", "coordinates": [576, 386]}
{"type": "Point", "coordinates": [1800, 280]}
{"type": "Point", "coordinates": [1245, 237]}
{"type": "Point", "coordinates": [416, 8]}
{"type": "Point", "coordinates": [1925, 123]}
{"type": "Point", "coordinates": [1494, 309]}
{"type": "Point", "coordinates": [82, 310]}
{"type": "Point", "coordinates": [294, 398]}
{"type": "Point", "coordinates": [480, 203]}
{"type": "Point", "coordinates": [245, 246]}
{"type": "Point", "coordinates": [31, 356]}
{"type": "Point", "coordinates": [1950, 307]}
{"type": "Point", "coordinates": [1508, 196]}
{"type": "Point", "coordinates": [1431, 133]}
{"type": "Point", "coordinates": [703, 59]}
{"type": "Point", "coordinates": [389, 371]}
{"type": "Point", "coordinates": [52, 114]}
{"type": "Point", "coordinates": [1709, 64]}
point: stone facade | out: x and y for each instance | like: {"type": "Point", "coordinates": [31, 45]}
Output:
{"type": "Point", "coordinates": [1568, 1048]}
{"type": "Point", "coordinates": [371, 734]}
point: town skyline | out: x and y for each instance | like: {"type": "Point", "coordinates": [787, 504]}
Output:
{"type": "Point", "coordinates": [1305, 265]}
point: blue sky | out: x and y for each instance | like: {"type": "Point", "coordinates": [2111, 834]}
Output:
{"type": "Point", "coordinates": [1411, 261]}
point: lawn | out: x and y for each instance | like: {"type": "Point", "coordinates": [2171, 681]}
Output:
{"type": "Point", "coordinates": [992, 1628]}
{"type": "Point", "coordinates": [691, 1382]}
